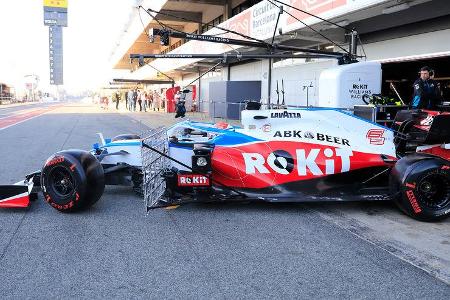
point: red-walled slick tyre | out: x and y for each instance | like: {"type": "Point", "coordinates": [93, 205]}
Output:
{"type": "Point", "coordinates": [72, 180]}
{"type": "Point", "coordinates": [421, 185]}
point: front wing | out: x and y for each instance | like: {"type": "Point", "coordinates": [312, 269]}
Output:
{"type": "Point", "coordinates": [17, 195]}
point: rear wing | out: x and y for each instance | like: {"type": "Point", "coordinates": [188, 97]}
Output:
{"type": "Point", "coordinates": [440, 130]}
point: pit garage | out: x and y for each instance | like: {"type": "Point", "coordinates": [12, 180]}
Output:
{"type": "Point", "coordinates": [399, 75]}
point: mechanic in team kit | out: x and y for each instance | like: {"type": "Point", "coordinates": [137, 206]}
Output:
{"type": "Point", "coordinates": [426, 91]}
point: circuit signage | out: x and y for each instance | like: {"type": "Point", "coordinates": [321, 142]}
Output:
{"type": "Point", "coordinates": [55, 17]}
{"type": "Point", "coordinates": [55, 13]}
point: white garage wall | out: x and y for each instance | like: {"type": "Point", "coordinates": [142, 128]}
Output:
{"type": "Point", "coordinates": [294, 76]}
{"type": "Point", "coordinates": [188, 79]}
{"type": "Point", "coordinates": [297, 76]}
{"type": "Point", "coordinates": [250, 71]}
{"type": "Point", "coordinates": [420, 44]}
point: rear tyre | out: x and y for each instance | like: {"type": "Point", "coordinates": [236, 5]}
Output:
{"type": "Point", "coordinates": [72, 180]}
{"type": "Point", "coordinates": [421, 187]}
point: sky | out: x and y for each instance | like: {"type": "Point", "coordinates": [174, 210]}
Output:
{"type": "Point", "coordinates": [93, 30]}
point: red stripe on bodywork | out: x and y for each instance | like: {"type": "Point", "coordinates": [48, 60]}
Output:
{"type": "Point", "coordinates": [20, 202]}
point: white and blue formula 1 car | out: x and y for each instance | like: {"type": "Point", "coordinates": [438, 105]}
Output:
{"type": "Point", "coordinates": [277, 155]}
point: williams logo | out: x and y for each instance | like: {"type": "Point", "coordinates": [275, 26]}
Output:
{"type": "Point", "coordinates": [286, 115]}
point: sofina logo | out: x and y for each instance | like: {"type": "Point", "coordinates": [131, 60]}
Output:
{"type": "Point", "coordinates": [315, 7]}
{"type": "Point", "coordinates": [376, 137]}
{"type": "Point", "coordinates": [266, 128]}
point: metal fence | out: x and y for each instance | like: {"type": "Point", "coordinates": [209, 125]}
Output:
{"type": "Point", "coordinates": [214, 111]}
{"type": "Point", "coordinates": [154, 163]}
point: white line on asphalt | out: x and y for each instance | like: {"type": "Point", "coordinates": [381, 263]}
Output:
{"type": "Point", "coordinates": [25, 120]}
{"type": "Point", "coordinates": [14, 115]}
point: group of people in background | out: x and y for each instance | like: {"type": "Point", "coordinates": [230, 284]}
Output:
{"type": "Point", "coordinates": [140, 100]}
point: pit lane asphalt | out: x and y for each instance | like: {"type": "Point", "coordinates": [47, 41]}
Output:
{"type": "Point", "coordinates": [195, 251]}
{"type": "Point", "coordinates": [9, 110]}
{"type": "Point", "coordinates": [20, 112]}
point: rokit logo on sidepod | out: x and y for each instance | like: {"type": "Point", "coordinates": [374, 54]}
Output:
{"type": "Point", "coordinates": [282, 162]}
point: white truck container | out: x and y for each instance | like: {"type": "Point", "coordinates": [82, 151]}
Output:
{"type": "Point", "coordinates": [344, 86]}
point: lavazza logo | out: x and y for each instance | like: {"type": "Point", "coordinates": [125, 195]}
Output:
{"type": "Point", "coordinates": [286, 115]}
{"type": "Point", "coordinates": [282, 162]}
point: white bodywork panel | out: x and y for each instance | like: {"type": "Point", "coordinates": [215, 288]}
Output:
{"type": "Point", "coordinates": [131, 157]}
{"type": "Point", "coordinates": [362, 135]}
{"type": "Point", "coordinates": [183, 155]}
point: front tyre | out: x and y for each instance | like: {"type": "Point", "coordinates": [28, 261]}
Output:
{"type": "Point", "coordinates": [421, 185]}
{"type": "Point", "coordinates": [72, 180]}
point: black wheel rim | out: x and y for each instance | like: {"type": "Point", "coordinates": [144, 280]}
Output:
{"type": "Point", "coordinates": [62, 181]}
{"type": "Point", "coordinates": [434, 191]}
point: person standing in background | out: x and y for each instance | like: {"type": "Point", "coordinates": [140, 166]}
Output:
{"type": "Point", "coordinates": [117, 99]}
{"type": "Point", "coordinates": [125, 95]}
{"type": "Point", "coordinates": [180, 105]}
{"type": "Point", "coordinates": [155, 100]}
{"type": "Point", "coordinates": [163, 100]}
{"type": "Point", "coordinates": [426, 91]}
{"type": "Point", "coordinates": [150, 99]}
{"type": "Point", "coordinates": [144, 99]}
{"type": "Point", "coordinates": [135, 97]}
{"type": "Point", "coordinates": [129, 99]}
{"type": "Point", "coordinates": [139, 99]}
